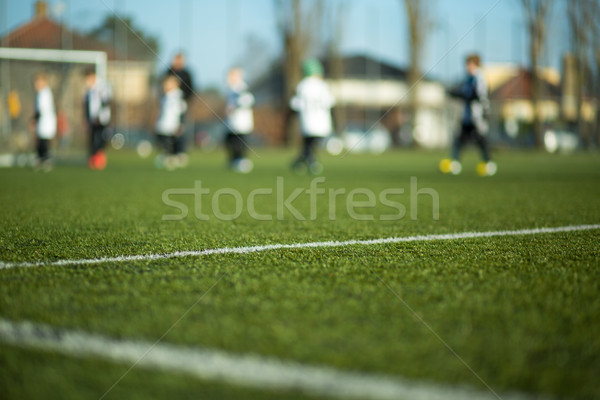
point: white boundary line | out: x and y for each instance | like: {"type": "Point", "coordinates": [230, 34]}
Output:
{"type": "Point", "coordinates": [253, 371]}
{"type": "Point", "coordinates": [257, 249]}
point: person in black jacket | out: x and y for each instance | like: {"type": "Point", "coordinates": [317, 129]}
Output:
{"type": "Point", "coordinates": [186, 85]}
{"type": "Point", "coordinates": [177, 68]}
{"type": "Point", "coordinates": [474, 122]}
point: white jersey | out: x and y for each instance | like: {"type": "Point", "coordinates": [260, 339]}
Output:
{"type": "Point", "coordinates": [97, 101]}
{"type": "Point", "coordinates": [240, 118]}
{"type": "Point", "coordinates": [480, 107]}
{"type": "Point", "coordinates": [172, 108]}
{"type": "Point", "coordinates": [313, 101]}
{"type": "Point", "coordinates": [46, 114]}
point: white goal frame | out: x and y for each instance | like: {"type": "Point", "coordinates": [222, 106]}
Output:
{"type": "Point", "coordinates": [98, 58]}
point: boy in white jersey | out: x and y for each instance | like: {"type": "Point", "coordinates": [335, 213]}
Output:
{"type": "Point", "coordinates": [313, 101]}
{"type": "Point", "coordinates": [97, 102]}
{"type": "Point", "coordinates": [44, 120]}
{"type": "Point", "coordinates": [169, 122]}
{"type": "Point", "coordinates": [240, 120]}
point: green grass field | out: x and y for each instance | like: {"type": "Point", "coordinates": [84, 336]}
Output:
{"type": "Point", "coordinates": [522, 311]}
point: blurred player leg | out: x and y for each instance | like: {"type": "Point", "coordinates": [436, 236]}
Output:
{"type": "Point", "coordinates": [43, 155]}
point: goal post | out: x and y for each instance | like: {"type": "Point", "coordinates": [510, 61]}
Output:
{"type": "Point", "coordinates": [15, 79]}
{"type": "Point", "coordinates": [98, 58]}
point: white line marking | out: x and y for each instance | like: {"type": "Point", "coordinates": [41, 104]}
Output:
{"type": "Point", "coordinates": [250, 370]}
{"type": "Point", "coordinates": [279, 246]}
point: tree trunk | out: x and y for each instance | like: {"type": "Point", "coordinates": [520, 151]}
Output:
{"type": "Point", "coordinates": [416, 28]}
{"type": "Point", "coordinates": [298, 35]}
{"type": "Point", "coordinates": [536, 13]}
{"type": "Point", "coordinates": [336, 63]}
{"type": "Point", "coordinates": [536, 94]}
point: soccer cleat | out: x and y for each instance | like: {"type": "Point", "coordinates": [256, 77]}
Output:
{"type": "Point", "coordinates": [182, 160]}
{"type": "Point", "coordinates": [315, 168]}
{"type": "Point", "coordinates": [455, 167]}
{"type": "Point", "coordinates": [491, 168]}
{"type": "Point", "coordinates": [92, 163]}
{"type": "Point", "coordinates": [100, 160]}
{"type": "Point", "coordinates": [46, 166]}
{"type": "Point", "coordinates": [487, 168]}
{"type": "Point", "coordinates": [244, 166]}
{"type": "Point", "coordinates": [97, 161]}
{"type": "Point", "coordinates": [159, 161]}
{"type": "Point", "coordinates": [299, 168]}
{"type": "Point", "coordinates": [171, 163]}
{"type": "Point", "coordinates": [445, 165]}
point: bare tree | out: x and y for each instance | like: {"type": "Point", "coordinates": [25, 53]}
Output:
{"type": "Point", "coordinates": [299, 24]}
{"type": "Point", "coordinates": [337, 20]}
{"type": "Point", "coordinates": [536, 13]}
{"type": "Point", "coordinates": [594, 18]}
{"type": "Point", "coordinates": [584, 23]}
{"type": "Point", "coordinates": [418, 25]}
{"type": "Point", "coordinates": [579, 26]}
{"type": "Point", "coordinates": [256, 58]}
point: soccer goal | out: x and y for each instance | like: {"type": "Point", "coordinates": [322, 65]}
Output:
{"type": "Point", "coordinates": [98, 58]}
{"type": "Point", "coordinates": [65, 67]}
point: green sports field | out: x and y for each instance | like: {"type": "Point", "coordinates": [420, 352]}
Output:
{"type": "Point", "coordinates": [514, 313]}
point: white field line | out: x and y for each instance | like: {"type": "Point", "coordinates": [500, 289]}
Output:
{"type": "Point", "coordinates": [257, 249]}
{"type": "Point", "coordinates": [249, 371]}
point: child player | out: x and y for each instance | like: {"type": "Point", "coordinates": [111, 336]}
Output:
{"type": "Point", "coordinates": [97, 114]}
{"type": "Point", "coordinates": [240, 120]}
{"type": "Point", "coordinates": [474, 124]}
{"type": "Point", "coordinates": [44, 120]}
{"type": "Point", "coordinates": [169, 124]}
{"type": "Point", "coordinates": [313, 101]}
{"type": "Point", "coordinates": [179, 69]}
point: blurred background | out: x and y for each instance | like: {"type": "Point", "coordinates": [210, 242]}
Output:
{"type": "Point", "coordinates": [389, 64]}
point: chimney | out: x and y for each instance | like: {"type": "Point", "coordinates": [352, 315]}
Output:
{"type": "Point", "coordinates": [41, 9]}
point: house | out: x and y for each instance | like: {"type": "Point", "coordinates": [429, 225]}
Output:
{"type": "Point", "coordinates": [511, 88]}
{"type": "Point", "coordinates": [374, 91]}
{"type": "Point", "coordinates": [589, 105]}
{"type": "Point", "coordinates": [369, 93]}
{"type": "Point", "coordinates": [511, 96]}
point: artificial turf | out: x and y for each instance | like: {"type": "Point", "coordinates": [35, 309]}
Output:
{"type": "Point", "coordinates": [522, 311]}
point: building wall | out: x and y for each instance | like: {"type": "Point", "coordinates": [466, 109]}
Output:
{"type": "Point", "coordinates": [522, 110]}
{"type": "Point", "coordinates": [385, 93]}
{"type": "Point", "coordinates": [433, 124]}
{"type": "Point", "coordinates": [130, 80]}
{"type": "Point", "coordinates": [135, 101]}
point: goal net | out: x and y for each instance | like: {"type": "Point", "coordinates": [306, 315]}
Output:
{"type": "Point", "coordinates": [65, 70]}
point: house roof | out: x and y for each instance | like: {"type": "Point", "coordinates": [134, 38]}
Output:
{"type": "Point", "coordinates": [271, 85]}
{"type": "Point", "coordinates": [520, 86]}
{"type": "Point", "coordinates": [43, 33]}
{"type": "Point", "coordinates": [364, 67]}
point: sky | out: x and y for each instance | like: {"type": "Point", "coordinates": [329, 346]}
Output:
{"type": "Point", "coordinates": [213, 34]}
